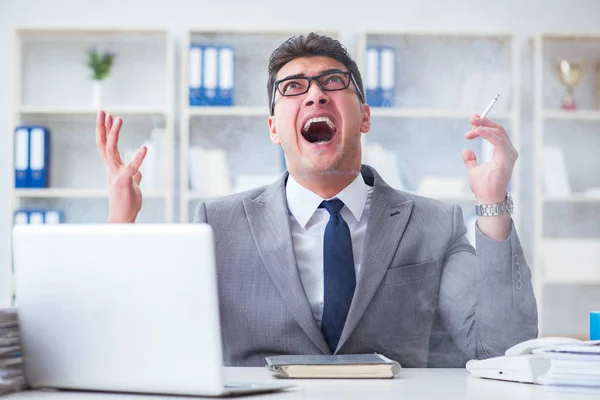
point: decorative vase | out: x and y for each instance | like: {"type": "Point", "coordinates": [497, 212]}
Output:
{"type": "Point", "coordinates": [96, 94]}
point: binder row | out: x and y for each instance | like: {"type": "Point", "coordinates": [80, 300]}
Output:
{"type": "Point", "coordinates": [32, 147]}
{"type": "Point", "coordinates": [38, 216]}
{"type": "Point", "coordinates": [212, 75]}
{"type": "Point", "coordinates": [381, 81]}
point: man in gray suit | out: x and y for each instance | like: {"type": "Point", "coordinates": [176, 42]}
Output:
{"type": "Point", "coordinates": [330, 259]}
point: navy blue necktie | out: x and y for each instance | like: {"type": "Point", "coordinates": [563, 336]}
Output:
{"type": "Point", "coordinates": [338, 271]}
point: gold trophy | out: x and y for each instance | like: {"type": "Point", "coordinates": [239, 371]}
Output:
{"type": "Point", "coordinates": [570, 74]}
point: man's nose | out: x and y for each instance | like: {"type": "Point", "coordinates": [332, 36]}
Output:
{"type": "Point", "coordinates": [315, 95]}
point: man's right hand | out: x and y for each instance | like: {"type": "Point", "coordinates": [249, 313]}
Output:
{"type": "Point", "coordinates": [124, 194]}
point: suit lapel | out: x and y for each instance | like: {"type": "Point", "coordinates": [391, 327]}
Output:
{"type": "Point", "coordinates": [269, 223]}
{"type": "Point", "coordinates": [388, 218]}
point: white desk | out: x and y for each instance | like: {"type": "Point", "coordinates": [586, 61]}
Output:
{"type": "Point", "coordinates": [437, 384]}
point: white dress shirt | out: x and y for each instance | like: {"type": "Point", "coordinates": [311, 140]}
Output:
{"type": "Point", "coordinates": [308, 222]}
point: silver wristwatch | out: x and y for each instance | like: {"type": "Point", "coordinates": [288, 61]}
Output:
{"type": "Point", "coordinates": [490, 210]}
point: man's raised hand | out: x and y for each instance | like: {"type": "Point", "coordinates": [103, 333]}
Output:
{"type": "Point", "coordinates": [124, 194]}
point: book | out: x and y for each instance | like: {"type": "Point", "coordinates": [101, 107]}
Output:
{"type": "Point", "coordinates": [345, 366]}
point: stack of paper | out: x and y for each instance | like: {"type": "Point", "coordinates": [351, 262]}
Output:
{"type": "Point", "coordinates": [573, 366]}
{"type": "Point", "coordinates": [11, 373]}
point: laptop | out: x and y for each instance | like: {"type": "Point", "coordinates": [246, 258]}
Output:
{"type": "Point", "coordinates": [122, 308]}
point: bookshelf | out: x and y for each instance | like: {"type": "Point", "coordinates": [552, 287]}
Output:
{"type": "Point", "coordinates": [52, 87]}
{"type": "Point", "coordinates": [239, 131]}
{"type": "Point", "coordinates": [567, 187]}
{"type": "Point", "coordinates": [441, 80]}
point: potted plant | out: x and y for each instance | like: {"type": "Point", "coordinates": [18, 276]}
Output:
{"type": "Point", "coordinates": [100, 64]}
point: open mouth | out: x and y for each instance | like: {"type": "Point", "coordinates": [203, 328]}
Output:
{"type": "Point", "coordinates": [318, 130]}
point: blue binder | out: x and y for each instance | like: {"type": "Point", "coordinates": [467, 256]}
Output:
{"type": "Point", "coordinates": [387, 78]}
{"type": "Point", "coordinates": [372, 81]}
{"type": "Point", "coordinates": [39, 148]}
{"type": "Point", "coordinates": [226, 76]}
{"type": "Point", "coordinates": [21, 157]}
{"type": "Point", "coordinates": [195, 75]}
{"type": "Point", "coordinates": [381, 80]}
{"type": "Point", "coordinates": [210, 77]}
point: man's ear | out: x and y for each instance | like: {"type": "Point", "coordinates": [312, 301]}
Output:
{"type": "Point", "coordinates": [273, 131]}
{"type": "Point", "coordinates": [365, 123]}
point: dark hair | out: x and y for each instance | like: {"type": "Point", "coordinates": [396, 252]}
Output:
{"type": "Point", "coordinates": [310, 46]}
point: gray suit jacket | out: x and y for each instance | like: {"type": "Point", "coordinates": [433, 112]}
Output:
{"type": "Point", "coordinates": [423, 297]}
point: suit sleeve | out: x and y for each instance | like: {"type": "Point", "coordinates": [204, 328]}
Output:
{"type": "Point", "coordinates": [200, 213]}
{"type": "Point", "coordinates": [486, 299]}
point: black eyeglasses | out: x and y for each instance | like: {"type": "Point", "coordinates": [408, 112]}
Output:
{"type": "Point", "coordinates": [327, 82]}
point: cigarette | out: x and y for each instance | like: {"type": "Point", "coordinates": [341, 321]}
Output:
{"type": "Point", "coordinates": [490, 106]}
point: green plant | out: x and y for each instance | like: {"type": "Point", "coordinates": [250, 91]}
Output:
{"type": "Point", "coordinates": [100, 63]}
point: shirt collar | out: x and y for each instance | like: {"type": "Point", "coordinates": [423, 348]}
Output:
{"type": "Point", "coordinates": [302, 203]}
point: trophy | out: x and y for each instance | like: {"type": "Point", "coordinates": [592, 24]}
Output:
{"type": "Point", "coordinates": [570, 74]}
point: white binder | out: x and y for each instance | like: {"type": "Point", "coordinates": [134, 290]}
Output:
{"type": "Point", "coordinates": [226, 75]}
{"type": "Point", "coordinates": [21, 217]}
{"type": "Point", "coordinates": [21, 157]}
{"type": "Point", "coordinates": [372, 83]}
{"type": "Point", "coordinates": [195, 75]}
{"type": "Point", "coordinates": [36, 217]}
{"type": "Point", "coordinates": [210, 78]}
{"type": "Point", "coordinates": [556, 178]}
{"type": "Point", "coordinates": [38, 157]}
{"type": "Point", "coordinates": [388, 77]}
{"type": "Point", "coordinates": [53, 217]}
{"type": "Point", "coordinates": [209, 172]}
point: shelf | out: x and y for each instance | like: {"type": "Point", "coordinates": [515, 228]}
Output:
{"type": "Point", "coordinates": [464, 197]}
{"type": "Point", "coordinates": [201, 196]}
{"type": "Point", "coordinates": [575, 198]}
{"type": "Point", "coordinates": [459, 198]}
{"type": "Point", "coordinates": [576, 281]}
{"type": "Point", "coordinates": [589, 115]}
{"type": "Point", "coordinates": [431, 113]}
{"type": "Point", "coordinates": [229, 110]}
{"type": "Point", "coordinates": [83, 110]}
{"type": "Point", "coordinates": [375, 112]}
{"type": "Point", "coordinates": [570, 261]}
{"type": "Point", "coordinates": [75, 193]}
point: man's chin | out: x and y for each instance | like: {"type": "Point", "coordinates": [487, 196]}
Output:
{"type": "Point", "coordinates": [325, 167]}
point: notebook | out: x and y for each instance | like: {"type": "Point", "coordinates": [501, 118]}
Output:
{"type": "Point", "coordinates": [333, 366]}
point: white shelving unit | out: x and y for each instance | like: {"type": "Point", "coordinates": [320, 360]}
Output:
{"type": "Point", "coordinates": [441, 80]}
{"type": "Point", "coordinates": [240, 130]}
{"type": "Point", "coordinates": [52, 87]}
{"type": "Point", "coordinates": [566, 220]}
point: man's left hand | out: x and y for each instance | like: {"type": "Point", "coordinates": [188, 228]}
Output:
{"type": "Point", "coordinates": [489, 181]}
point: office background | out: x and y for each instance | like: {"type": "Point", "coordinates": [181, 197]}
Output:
{"type": "Point", "coordinates": [565, 306]}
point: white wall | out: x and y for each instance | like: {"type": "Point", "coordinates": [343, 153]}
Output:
{"type": "Point", "coordinates": [525, 17]}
